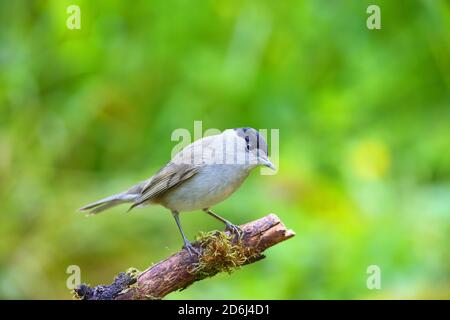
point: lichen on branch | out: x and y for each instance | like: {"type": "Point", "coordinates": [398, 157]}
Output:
{"type": "Point", "coordinates": [221, 251]}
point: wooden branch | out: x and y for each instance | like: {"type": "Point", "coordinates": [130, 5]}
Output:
{"type": "Point", "coordinates": [220, 251]}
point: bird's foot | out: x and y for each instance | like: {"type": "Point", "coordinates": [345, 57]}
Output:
{"type": "Point", "coordinates": [191, 249]}
{"type": "Point", "coordinates": [234, 229]}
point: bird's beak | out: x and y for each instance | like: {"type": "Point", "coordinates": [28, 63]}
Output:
{"type": "Point", "coordinates": [269, 164]}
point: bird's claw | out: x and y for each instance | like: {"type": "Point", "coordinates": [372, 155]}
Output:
{"type": "Point", "coordinates": [234, 229]}
{"type": "Point", "coordinates": [191, 249]}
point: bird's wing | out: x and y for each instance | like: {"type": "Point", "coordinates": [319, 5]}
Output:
{"type": "Point", "coordinates": [183, 166]}
{"type": "Point", "coordinates": [165, 179]}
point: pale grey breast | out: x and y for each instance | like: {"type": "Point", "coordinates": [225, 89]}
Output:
{"type": "Point", "coordinates": [211, 185]}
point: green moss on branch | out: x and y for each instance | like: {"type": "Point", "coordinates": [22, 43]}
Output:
{"type": "Point", "coordinates": [221, 252]}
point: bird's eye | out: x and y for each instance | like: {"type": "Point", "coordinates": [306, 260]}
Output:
{"type": "Point", "coordinates": [247, 140]}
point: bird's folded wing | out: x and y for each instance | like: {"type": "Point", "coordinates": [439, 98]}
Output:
{"type": "Point", "coordinates": [168, 177]}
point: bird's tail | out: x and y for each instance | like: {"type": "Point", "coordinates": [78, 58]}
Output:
{"type": "Point", "coordinates": [109, 202]}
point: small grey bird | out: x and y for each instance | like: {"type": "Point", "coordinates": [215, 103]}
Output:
{"type": "Point", "coordinates": [201, 175]}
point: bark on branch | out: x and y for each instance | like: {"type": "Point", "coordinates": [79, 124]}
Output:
{"type": "Point", "coordinates": [220, 251]}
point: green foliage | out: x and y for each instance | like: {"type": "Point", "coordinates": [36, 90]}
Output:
{"type": "Point", "coordinates": [364, 170]}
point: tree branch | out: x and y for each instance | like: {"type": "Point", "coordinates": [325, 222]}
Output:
{"type": "Point", "coordinates": [220, 252]}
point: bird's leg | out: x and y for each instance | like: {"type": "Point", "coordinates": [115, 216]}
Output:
{"type": "Point", "coordinates": [189, 247]}
{"type": "Point", "coordinates": [229, 226]}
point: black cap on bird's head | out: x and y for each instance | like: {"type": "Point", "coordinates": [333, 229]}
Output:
{"type": "Point", "coordinates": [253, 141]}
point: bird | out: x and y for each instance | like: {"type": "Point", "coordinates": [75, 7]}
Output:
{"type": "Point", "coordinates": [201, 175]}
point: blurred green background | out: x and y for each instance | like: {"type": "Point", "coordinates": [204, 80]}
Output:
{"type": "Point", "coordinates": [364, 120]}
